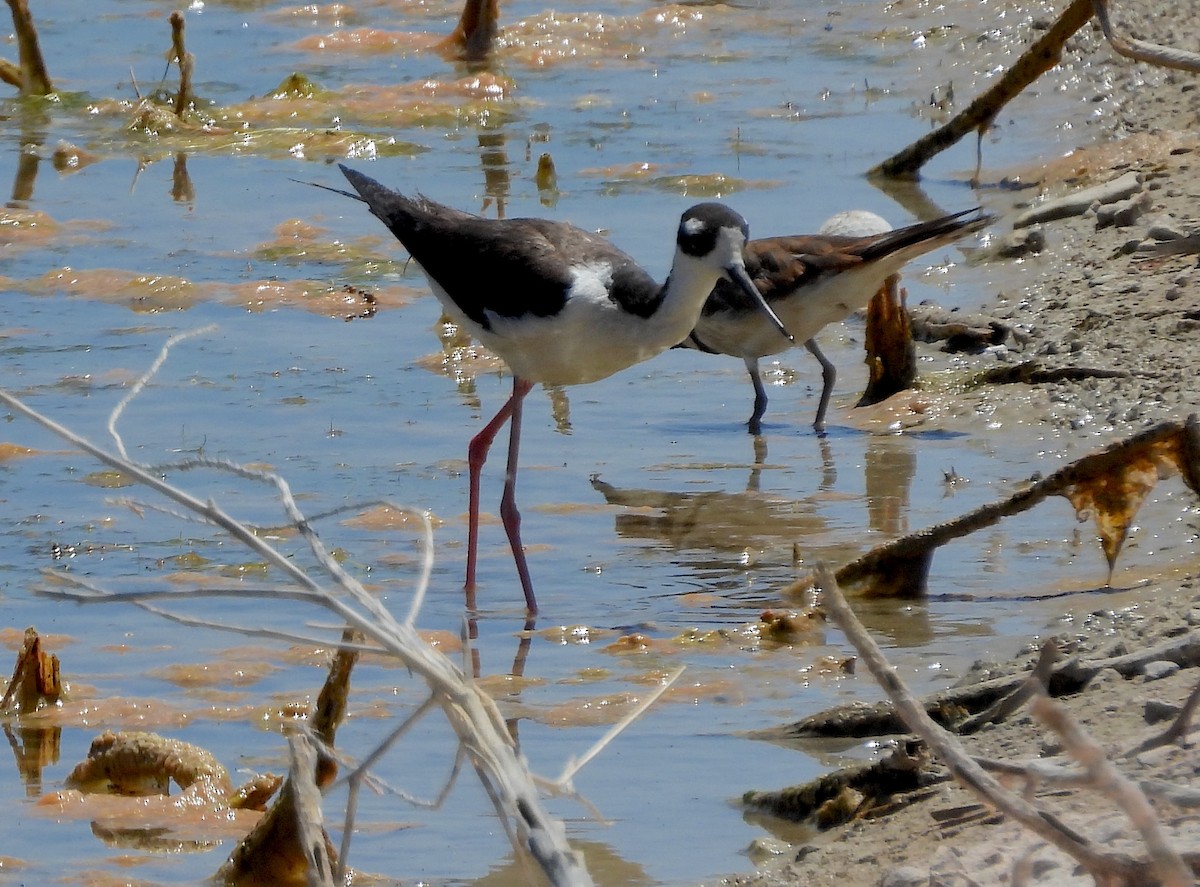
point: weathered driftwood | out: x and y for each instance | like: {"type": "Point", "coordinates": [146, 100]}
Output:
{"type": "Point", "coordinates": [1107, 868]}
{"type": "Point", "coordinates": [1076, 203]}
{"type": "Point", "coordinates": [851, 793]}
{"type": "Point", "coordinates": [1045, 53]}
{"type": "Point", "coordinates": [953, 706]}
{"type": "Point", "coordinates": [900, 567]}
{"type": "Point", "coordinates": [1032, 372]}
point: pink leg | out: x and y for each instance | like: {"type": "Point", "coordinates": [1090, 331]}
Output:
{"type": "Point", "coordinates": [477, 453]}
{"type": "Point", "coordinates": [508, 502]}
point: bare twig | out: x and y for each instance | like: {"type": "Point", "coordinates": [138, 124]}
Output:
{"type": "Point", "coordinates": [354, 779]}
{"type": "Point", "coordinates": [136, 388]}
{"type": "Point", "coordinates": [978, 116]}
{"type": "Point", "coordinates": [1140, 50]}
{"type": "Point", "coordinates": [1108, 779]}
{"type": "Point", "coordinates": [311, 835]}
{"type": "Point", "coordinates": [472, 715]}
{"type": "Point", "coordinates": [575, 765]}
{"type": "Point", "coordinates": [966, 770]}
{"type": "Point", "coordinates": [1037, 681]}
{"type": "Point", "coordinates": [1179, 727]}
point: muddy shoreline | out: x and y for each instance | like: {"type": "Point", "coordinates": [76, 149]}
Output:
{"type": "Point", "coordinates": [1116, 287]}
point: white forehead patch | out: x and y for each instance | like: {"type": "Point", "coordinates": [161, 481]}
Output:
{"type": "Point", "coordinates": [693, 226]}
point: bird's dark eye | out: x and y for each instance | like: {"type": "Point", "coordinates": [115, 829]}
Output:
{"type": "Point", "coordinates": [696, 237]}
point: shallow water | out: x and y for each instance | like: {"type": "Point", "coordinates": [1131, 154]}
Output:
{"type": "Point", "coordinates": [779, 110]}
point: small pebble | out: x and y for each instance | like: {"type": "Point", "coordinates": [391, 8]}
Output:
{"type": "Point", "coordinates": [1156, 671]}
{"type": "Point", "coordinates": [904, 876]}
{"type": "Point", "coordinates": [1155, 710]}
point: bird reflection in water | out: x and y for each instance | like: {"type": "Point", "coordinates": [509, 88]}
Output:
{"type": "Point", "coordinates": [735, 526]}
{"type": "Point", "coordinates": [714, 520]}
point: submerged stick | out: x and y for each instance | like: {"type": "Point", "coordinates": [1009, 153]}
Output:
{"type": "Point", "coordinates": [474, 37]}
{"type": "Point", "coordinates": [186, 61]}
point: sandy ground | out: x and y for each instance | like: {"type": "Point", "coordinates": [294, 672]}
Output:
{"type": "Point", "coordinates": [1116, 289]}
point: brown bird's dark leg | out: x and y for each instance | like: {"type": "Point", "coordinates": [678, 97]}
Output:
{"type": "Point", "coordinates": [828, 378]}
{"type": "Point", "coordinates": [760, 397]}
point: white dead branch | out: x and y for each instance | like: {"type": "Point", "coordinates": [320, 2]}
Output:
{"type": "Point", "coordinates": [1140, 50]}
{"type": "Point", "coordinates": [478, 724]}
{"type": "Point", "coordinates": [1109, 869]}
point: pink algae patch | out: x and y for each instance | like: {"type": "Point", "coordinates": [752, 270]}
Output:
{"type": "Point", "coordinates": [138, 292]}
{"type": "Point", "coordinates": [26, 227]}
{"type": "Point", "coordinates": [625, 171]}
{"type": "Point", "coordinates": [184, 816]}
{"type": "Point", "coordinates": [115, 712]}
{"type": "Point", "coordinates": [385, 517]}
{"type": "Point", "coordinates": [555, 38]}
{"type": "Point", "coordinates": [317, 12]}
{"type": "Point", "coordinates": [10, 451]}
{"type": "Point", "coordinates": [447, 641]}
{"type": "Point", "coordinates": [14, 638]}
{"type": "Point", "coordinates": [318, 297]}
{"type": "Point", "coordinates": [221, 673]}
{"type": "Point", "coordinates": [368, 41]}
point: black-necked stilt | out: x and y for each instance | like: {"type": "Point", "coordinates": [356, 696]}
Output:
{"type": "Point", "coordinates": [561, 306]}
{"type": "Point", "coordinates": [812, 281]}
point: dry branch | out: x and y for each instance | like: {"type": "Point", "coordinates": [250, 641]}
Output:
{"type": "Point", "coordinates": [31, 76]}
{"type": "Point", "coordinates": [947, 706]}
{"type": "Point", "coordinates": [1037, 680]}
{"type": "Point", "coordinates": [978, 116]}
{"type": "Point", "coordinates": [1178, 728]}
{"type": "Point", "coordinates": [1140, 50]}
{"type": "Point", "coordinates": [1106, 868]}
{"type": "Point", "coordinates": [472, 715]}
{"type": "Point", "coordinates": [1033, 63]}
{"type": "Point", "coordinates": [1108, 779]}
{"type": "Point", "coordinates": [1105, 482]}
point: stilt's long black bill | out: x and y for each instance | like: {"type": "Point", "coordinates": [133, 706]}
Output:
{"type": "Point", "coordinates": [739, 276]}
